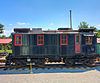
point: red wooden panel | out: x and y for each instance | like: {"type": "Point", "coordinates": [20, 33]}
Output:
{"type": "Point", "coordinates": [77, 44]}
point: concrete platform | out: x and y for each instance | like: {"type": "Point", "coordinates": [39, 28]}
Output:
{"type": "Point", "coordinates": [51, 76]}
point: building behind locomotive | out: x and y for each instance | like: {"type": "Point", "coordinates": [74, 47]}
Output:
{"type": "Point", "coordinates": [37, 46]}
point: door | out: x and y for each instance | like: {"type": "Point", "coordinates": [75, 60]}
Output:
{"type": "Point", "coordinates": [77, 43]}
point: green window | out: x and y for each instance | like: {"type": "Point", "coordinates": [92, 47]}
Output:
{"type": "Point", "coordinates": [40, 39]}
{"type": "Point", "coordinates": [63, 40]}
{"type": "Point", "coordinates": [88, 40]}
{"type": "Point", "coordinates": [77, 38]}
{"type": "Point", "coordinates": [18, 40]}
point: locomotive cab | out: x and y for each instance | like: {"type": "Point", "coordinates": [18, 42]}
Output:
{"type": "Point", "coordinates": [89, 41]}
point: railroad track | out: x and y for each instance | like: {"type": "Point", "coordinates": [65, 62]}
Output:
{"type": "Point", "coordinates": [48, 66]}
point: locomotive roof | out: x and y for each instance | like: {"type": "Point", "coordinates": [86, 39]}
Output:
{"type": "Point", "coordinates": [59, 31]}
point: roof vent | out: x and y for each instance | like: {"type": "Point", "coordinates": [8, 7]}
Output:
{"type": "Point", "coordinates": [64, 28]}
{"type": "Point", "coordinates": [21, 30]}
{"type": "Point", "coordinates": [36, 30]}
{"type": "Point", "coordinates": [86, 30]}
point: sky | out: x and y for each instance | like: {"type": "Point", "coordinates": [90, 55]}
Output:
{"type": "Point", "coordinates": [48, 14]}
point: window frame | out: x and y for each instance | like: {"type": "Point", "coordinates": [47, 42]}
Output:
{"type": "Point", "coordinates": [88, 43]}
{"type": "Point", "coordinates": [61, 38]}
{"type": "Point", "coordinates": [40, 39]}
{"type": "Point", "coordinates": [19, 35]}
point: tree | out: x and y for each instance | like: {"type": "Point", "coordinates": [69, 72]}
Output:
{"type": "Point", "coordinates": [1, 28]}
{"type": "Point", "coordinates": [3, 37]}
{"type": "Point", "coordinates": [98, 35]}
{"type": "Point", "coordinates": [10, 36]}
{"type": "Point", "coordinates": [83, 25]}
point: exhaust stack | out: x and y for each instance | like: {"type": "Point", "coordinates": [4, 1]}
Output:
{"type": "Point", "coordinates": [70, 21]}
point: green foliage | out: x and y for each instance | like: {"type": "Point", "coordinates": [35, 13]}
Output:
{"type": "Point", "coordinates": [83, 25]}
{"type": "Point", "coordinates": [1, 47]}
{"type": "Point", "coordinates": [10, 36]}
{"type": "Point", "coordinates": [95, 29]}
{"type": "Point", "coordinates": [9, 51]}
{"type": "Point", "coordinates": [98, 35]}
{"type": "Point", "coordinates": [9, 46]}
{"type": "Point", "coordinates": [1, 28]}
{"type": "Point", "coordinates": [3, 37]}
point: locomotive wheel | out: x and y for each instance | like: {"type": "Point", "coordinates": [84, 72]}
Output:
{"type": "Point", "coordinates": [69, 62]}
{"type": "Point", "coordinates": [39, 61]}
{"type": "Point", "coordinates": [20, 62]}
{"type": "Point", "coordinates": [89, 62]}
{"type": "Point", "coordinates": [8, 63]}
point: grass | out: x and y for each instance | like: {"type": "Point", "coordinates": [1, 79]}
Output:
{"type": "Point", "coordinates": [9, 51]}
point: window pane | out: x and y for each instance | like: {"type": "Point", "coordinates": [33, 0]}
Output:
{"type": "Point", "coordinates": [16, 39]}
{"type": "Point", "coordinates": [38, 37]}
{"type": "Point", "coordinates": [62, 37]}
{"type": "Point", "coordinates": [65, 36]}
{"type": "Point", "coordinates": [86, 38]}
{"type": "Point", "coordinates": [16, 42]}
{"type": "Point", "coordinates": [62, 41]}
{"type": "Point", "coordinates": [41, 42]}
{"type": "Point", "coordinates": [65, 41]}
{"type": "Point", "coordinates": [90, 39]}
{"type": "Point", "coordinates": [19, 39]}
{"type": "Point", "coordinates": [41, 37]}
{"type": "Point", "coordinates": [19, 42]}
{"type": "Point", "coordinates": [77, 38]}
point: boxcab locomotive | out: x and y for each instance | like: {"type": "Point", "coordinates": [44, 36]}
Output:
{"type": "Point", "coordinates": [65, 45]}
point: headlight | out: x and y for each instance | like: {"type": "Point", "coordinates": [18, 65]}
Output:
{"type": "Point", "coordinates": [28, 59]}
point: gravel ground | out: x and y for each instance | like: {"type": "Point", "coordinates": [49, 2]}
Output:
{"type": "Point", "coordinates": [92, 76]}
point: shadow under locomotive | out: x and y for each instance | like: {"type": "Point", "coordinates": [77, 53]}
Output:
{"type": "Point", "coordinates": [79, 69]}
{"type": "Point", "coordinates": [46, 70]}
